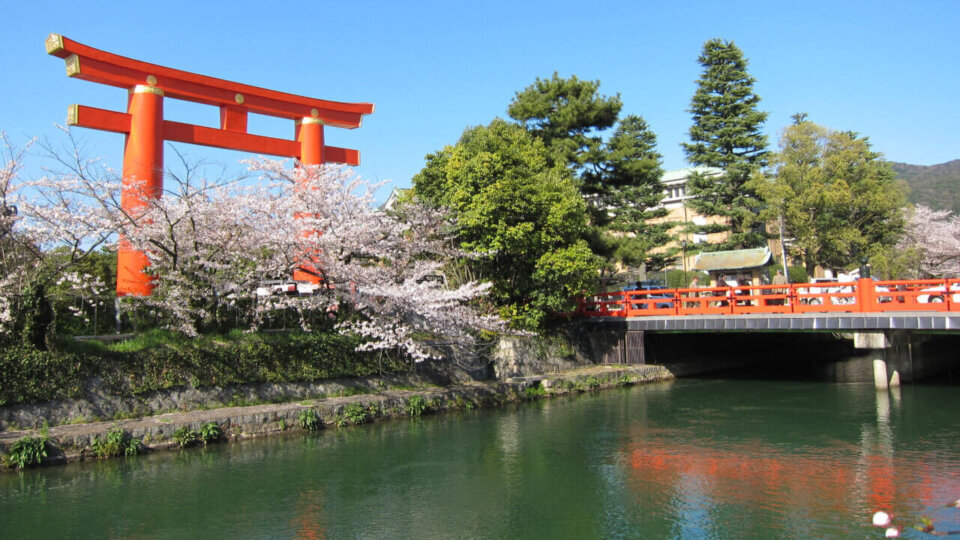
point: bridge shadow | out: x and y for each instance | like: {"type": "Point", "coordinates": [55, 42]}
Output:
{"type": "Point", "coordinates": [772, 355]}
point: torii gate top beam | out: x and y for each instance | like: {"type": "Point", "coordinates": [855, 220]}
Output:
{"type": "Point", "coordinates": [102, 67]}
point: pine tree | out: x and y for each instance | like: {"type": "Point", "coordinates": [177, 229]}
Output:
{"type": "Point", "coordinates": [726, 133]}
{"type": "Point", "coordinates": [620, 177]}
{"type": "Point", "coordinates": [567, 115]}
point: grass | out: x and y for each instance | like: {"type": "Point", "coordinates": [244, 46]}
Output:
{"type": "Point", "coordinates": [534, 392]}
{"type": "Point", "coordinates": [143, 341]}
{"type": "Point", "coordinates": [462, 404]}
{"type": "Point", "coordinates": [352, 391]}
{"type": "Point", "coordinates": [157, 360]}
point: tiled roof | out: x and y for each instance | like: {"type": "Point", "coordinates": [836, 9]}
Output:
{"type": "Point", "coordinates": [732, 260]}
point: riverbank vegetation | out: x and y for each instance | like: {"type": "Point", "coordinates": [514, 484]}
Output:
{"type": "Point", "coordinates": [120, 438]}
{"type": "Point", "coordinates": [161, 359]}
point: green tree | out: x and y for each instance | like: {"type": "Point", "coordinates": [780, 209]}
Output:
{"type": "Point", "coordinates": [567, 115]}
{"type": "Point", "coordinates": [625, 190]}
{"type": "Point", "coordinates": [726, 133]}
{"type": "Point", "coordinates": [838, 198]}
{"type": "Point", "coordinates": [524, 218]}
{"type": "Point", "coordinates": [619, 177]}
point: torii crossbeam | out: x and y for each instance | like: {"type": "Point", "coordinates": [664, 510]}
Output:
{"type": "Point", "coordinates": [146, 130]}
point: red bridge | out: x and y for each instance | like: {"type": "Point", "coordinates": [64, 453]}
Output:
{"type": "Point", "coordinates": [887, 331]}
{"type": "Point", "coordinates": [861, 296]}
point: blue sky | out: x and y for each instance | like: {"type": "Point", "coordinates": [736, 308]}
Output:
{"type": "Point", "coordinates": [886, 69]}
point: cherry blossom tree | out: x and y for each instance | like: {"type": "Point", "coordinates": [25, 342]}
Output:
{"type": "Point", "coordinates": [934, 237]}
{"type": "Point", "coordinates": [12, 162]}
{"type": "Point", "coordinates": [212, 243]}
{"type": "Point", "coordinates": [49, 224]}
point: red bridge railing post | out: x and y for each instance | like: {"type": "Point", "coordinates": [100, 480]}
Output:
{"type": "Point", "coordinates": [866, 299]}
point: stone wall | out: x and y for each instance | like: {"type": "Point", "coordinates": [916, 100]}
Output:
{"type": "Point", "coordinates": [99, 405]}
{"type": "Point", "coordinates": [535, 355]}
{"type": "Point", "coordinates": [72, 442]}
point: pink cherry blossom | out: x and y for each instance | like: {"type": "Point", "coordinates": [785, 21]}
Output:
{"type": "Point", "coordinates": [212, 244]}
{"type": "Point", "coordinates": [935, 236]}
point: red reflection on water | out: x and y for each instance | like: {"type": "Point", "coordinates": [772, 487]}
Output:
{"type": "Point", "coordinates": [752, 473]}
{"type": "Point", "coordinates": [308, 523]}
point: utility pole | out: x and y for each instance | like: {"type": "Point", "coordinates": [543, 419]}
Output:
{"type": "Point", "coordinates": [783, 249]}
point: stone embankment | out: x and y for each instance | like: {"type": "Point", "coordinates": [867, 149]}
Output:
{"type": "Point", "coordinates": [331, 403]}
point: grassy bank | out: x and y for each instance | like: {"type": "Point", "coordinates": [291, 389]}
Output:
{"type": "Point", "coordinates": [158, 360]}
{"type": "Point", "coordinates": [96, 440]}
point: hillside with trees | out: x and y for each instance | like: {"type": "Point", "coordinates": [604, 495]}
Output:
{"type": "Point", "coordinates": [935, 185]}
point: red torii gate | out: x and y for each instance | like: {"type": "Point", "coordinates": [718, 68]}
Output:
{"type": "Point", "coordinates": [146, 130]}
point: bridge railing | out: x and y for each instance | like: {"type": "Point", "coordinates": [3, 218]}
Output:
{"type": "Point", "coordinates": [862, 296]}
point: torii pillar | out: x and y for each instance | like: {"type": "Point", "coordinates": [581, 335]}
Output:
{"type": "Point", "coordinates": [142, 181]}
{"type": "Point", "coordinates": [309, 132]}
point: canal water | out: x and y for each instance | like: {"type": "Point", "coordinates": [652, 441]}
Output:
{"type": "Point", "coordinates": [686, 459]}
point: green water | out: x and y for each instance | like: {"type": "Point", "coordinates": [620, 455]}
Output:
{"type": "Point", "coordinates": [690, 459]}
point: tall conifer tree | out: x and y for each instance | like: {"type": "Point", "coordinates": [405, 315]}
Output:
{"type": "Point", "coordinates": [626, 189]}
{"type": "Point", "coordinates": [726, 133]}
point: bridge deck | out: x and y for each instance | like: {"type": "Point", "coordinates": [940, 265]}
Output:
{"type": "Point", "coordinates": [923, 321]}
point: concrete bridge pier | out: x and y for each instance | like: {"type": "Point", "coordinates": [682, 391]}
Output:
{"type": "Point", "coordinates": [890, 354]}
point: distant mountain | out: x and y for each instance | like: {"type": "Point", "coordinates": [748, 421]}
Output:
{"type": "Point", "coordinates": [937, 186]}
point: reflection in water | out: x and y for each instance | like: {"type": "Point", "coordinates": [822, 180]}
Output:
{"type": "Point", "coordinates": [691, 459]}
{"type": "Point", "coordinates": [309, 523]}
{"type": "Point", "coordinates": [795, 483]}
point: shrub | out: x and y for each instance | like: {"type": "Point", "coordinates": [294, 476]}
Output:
{"type": "Point", "coordinates": [593, 383]}
{"type": "Point", "coordinates": [309, 420]}
{"type": "Point", "coordinates": [353, 413]}
{"type": "Point", "coordinates": [797, 274]}
{"type": "Point", "coordinates": [678, 279]}
{"type": "Point", "coordinates": [534, 392]}
{"type": "Point", "coordinates": [210, 432]}
{"type": "Point", "coordinates": [462, 404]}
{"type": "Point", "coordinates": [118, 442]}
{"type": "Point", "coordinates": [416, 406]}
{"type": "Point", "coordinates": [26, 452]}
{"type": "Point", "coordinates": [185, 437]}
{"type": "Point", "coordinates": [30, 375]}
